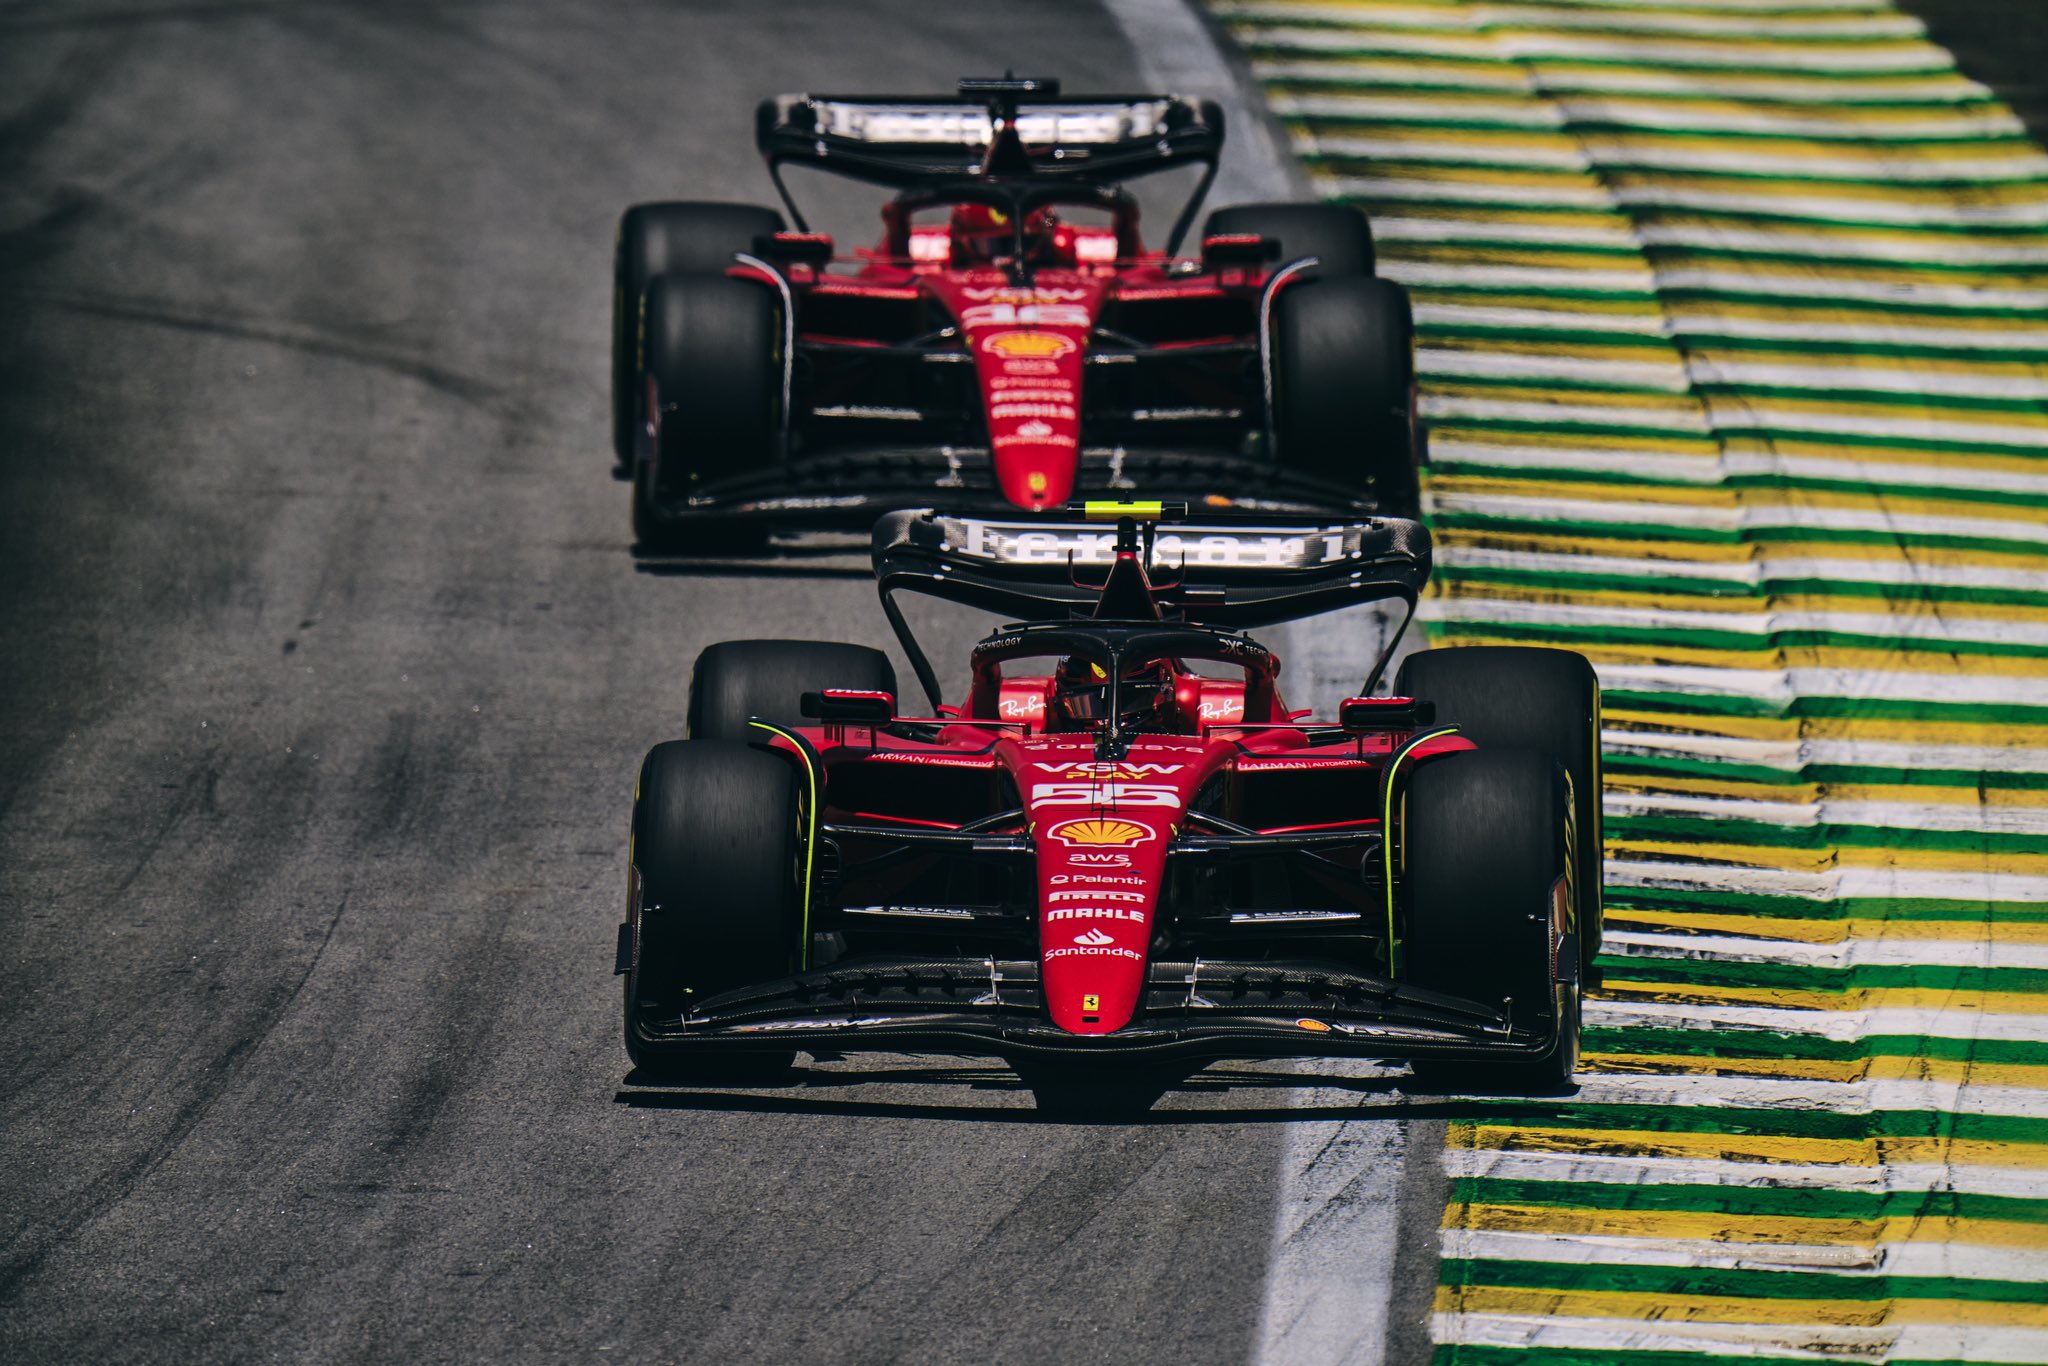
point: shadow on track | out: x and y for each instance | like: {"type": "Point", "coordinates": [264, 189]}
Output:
{"type": "Point", "coordinates": [842, 560]}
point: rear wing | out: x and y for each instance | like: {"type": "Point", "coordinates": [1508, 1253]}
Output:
{"type": "Point", "coordinates": [907, 140]}
{"type": "Point", "coordinates": [1018, 130]}
{"type": "Point", "coordinates": [1223, 574]}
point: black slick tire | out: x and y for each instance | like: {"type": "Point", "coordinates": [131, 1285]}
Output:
{"type": "Point", "coordinates": [1526, 697]}
{"type": "Point", "coordinates": [739, 679]}
{"type": "Point", "coordinates": [1480, 927]}
{"type": "Point", "coordinates": [1344, 385]}
{"type": "Point", "coordinates": [687, 236]}
{"type": "Point", "coordinates": [1339, 237]}
{"type": "Point", "coordinates": [715, 851]}
{"type": "Point", "coordinates": [712, 366]}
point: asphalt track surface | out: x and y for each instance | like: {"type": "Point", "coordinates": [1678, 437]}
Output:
{"type": "Point", "coordinates": [2003, 43]}
{"type": "Point", "coordinates": [324, 672]}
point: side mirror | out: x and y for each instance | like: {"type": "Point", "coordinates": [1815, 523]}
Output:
{"type": "Point", "coordinates": [1237, 249]}
{"type": "Point", "coordinates": [811, 249]}
{"type": "Point", "coordinates": [850, 706]}
{"type": "Point", "coordinates": [1368, 715]}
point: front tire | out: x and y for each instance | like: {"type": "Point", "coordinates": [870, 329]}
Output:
{"type": "Point", "coordinates": [1344, 387]}
{"type": "Point", "coordinates": [1523, 697]}
{"type": "Point", "coordinates": [715, 845]}
{"type": "Point", "coordinates": [711, 362]}
{"type": "Point", "coordinates": [739, 679]}
{"type": "Point", "coordinates": [691, 237]}
{"type": "Point", "coordinates": [1480, 926]}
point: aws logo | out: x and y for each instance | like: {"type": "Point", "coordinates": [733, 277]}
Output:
{"type": "Point", "coordinates": [1089, 862]}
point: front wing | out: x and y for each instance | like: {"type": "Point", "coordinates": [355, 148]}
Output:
{"type": "Point", "coordinates": [849, 487]}
{"type": "Point", "coordinates": [1200, 1008]}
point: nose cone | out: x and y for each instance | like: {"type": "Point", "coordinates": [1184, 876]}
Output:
{"type": "Point", "coordinates": [1102, 831]}
{"type": "Point", "coordinates": [1028, 342]}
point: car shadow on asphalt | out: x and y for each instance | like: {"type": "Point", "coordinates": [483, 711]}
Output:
{"type": "Point", "coordinates": [781, 561]}
{"type": "Point", "coordinates": [1182, 1098]}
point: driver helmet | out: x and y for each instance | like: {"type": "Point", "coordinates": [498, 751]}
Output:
{"type": "Point", "coordinates": [1081, 695]}
{"type": "Point", "coordinates": [981, 234]}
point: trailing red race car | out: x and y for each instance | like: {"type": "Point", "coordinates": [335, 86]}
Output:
{"type": "Point", "coordinates": [1010, 343]}
{"type": "Point", "coordinates": [1123, 842]}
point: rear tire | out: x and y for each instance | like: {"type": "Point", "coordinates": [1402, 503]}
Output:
{"type": "Point", "coordinates": [1479, 927]}
{"type": "Point", "coordinates": [1344, 385]}
{"type": "Point", "coordinates": [712, 364]}
{"type": "Point", "coordinates": [738, 679]}
{"type": "Point", "coordinates": [1338, 236]}
{"type": "Point", "coordinates": [1524, 697]}
{"type": "Point", "coordinates": [715, 843]}
{"type": "Point", "coordinates": [653, 240]}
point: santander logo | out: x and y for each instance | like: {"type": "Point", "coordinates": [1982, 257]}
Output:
{"type": "Point", "coordinates": [1094, 939]}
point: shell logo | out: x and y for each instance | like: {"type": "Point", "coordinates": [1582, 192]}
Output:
{"type": "Point", "coordinates": [1098, 833]}
{"type": "Point", "coordinates": [1029, 345]}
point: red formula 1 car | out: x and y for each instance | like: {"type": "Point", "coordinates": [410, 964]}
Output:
{"type": "Point", "coordinates": [1122, 843]}
{"type": "Point", "coordinates": [1010, 342]}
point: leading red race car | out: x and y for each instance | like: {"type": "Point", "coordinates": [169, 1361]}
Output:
{"type": "Point", "coordinates": [1122, 843]}
{"type": "Point", "coordinates": [1010, 342]}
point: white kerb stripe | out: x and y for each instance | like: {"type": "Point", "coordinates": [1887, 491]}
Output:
{"type": "Point", "coordinates": [1842, 1026]}
{"type": "Point", "coordinates": [1792, 1341]}
{"type": "Point", "coordinates": [1937, 953]}
{"type": "Point", "coordinates": [1937, 884]}
{"type": "Point", "coordinates": [1909, 1178]}
{"type": "Point", "coordinates": [1961, 1260]}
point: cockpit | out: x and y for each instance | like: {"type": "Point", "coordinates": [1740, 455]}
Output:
{"type": "Point", "coordinates": [974, 225]}
{"type": "Point", "coordinates": [1121, 681]}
